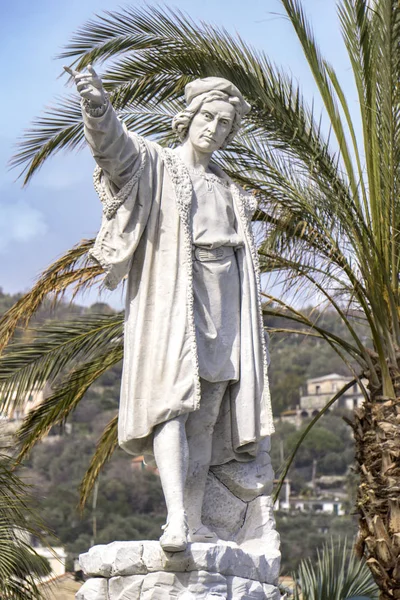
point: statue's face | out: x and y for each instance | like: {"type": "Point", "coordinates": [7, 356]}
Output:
{"type": "Point", "coordinates": [211, 125]}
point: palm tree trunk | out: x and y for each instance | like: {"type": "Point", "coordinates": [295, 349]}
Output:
{"type": "Point", "coordinates": [377, 438]}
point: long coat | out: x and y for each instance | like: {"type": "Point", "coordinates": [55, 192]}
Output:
{"type": "Point", "coordinates": [146, 236]}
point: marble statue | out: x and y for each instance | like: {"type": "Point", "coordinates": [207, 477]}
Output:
{"type": "Point", "coordinates": [194, 391]}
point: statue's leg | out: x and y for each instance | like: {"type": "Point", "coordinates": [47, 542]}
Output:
{"type": "Point", "coordinates": [171, 455]}
{"type": "Point", "coordinates": [199, 430]}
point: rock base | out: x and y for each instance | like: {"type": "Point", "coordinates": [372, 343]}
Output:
{"type": "Point", "coordinates": [161, 585]}
{"type": "Point", "coordinates": [142, 571]}
{"type": "Point", "coordinates": [236, 506]}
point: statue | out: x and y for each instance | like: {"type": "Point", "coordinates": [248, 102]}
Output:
{"type": "Point", "coordinates": [194, 387]}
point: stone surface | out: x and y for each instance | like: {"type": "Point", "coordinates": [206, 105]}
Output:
{"type": "Point", "coordinates": [135, 558]}
{"type": "Point", "coordinates": [194, 585]}
{"type": "Point", "coordinates": [117, 558]}
{"type": "Point", "coordinates": [93, 589]}
{"type": "Point", "coordinates": [197, 585]}
{"type": "Point", "coordinates": [250, 479]}
{"type": "Point", "coordinates": [259, 527]}
{"type": "Point", "coordinates": [141, 207]}
{"type": "Point", "coordinates": [246, 589]}
{"type": "Point", "coordinates": [222, 511]}
{"type": "Point", "coordinates": [125, 588]}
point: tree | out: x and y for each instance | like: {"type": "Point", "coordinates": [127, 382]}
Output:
{"type": "Point", "coordinates": [20, 565]}
{"type": "Point", "coordinates": [329, 209]}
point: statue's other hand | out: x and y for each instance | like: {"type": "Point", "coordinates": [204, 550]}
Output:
{"type": "Point", "coordinates": [89, 85]}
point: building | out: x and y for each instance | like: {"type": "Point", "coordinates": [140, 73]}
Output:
{"type": "Point", "coordinates": [326, 505]}
{"type": "Point", "coordinates": [315, 394]}
{"type": "Point", "coordinates": [31, 400]}
{"type": "Point", "coordinates": [319, 390]}
{"type": "Point", "coordinates": [56, 557]}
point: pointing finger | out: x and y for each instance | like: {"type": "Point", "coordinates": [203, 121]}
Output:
{"type": "Point", "coordinates": [92, 71]}
{"type": "Point", "coordinates": [71, 71]}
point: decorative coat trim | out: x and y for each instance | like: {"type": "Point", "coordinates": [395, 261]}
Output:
{"type": "Point", "coordinates": [183, 192]}
{"type": "Point", "coordinates": [112, 203]}
{"type": "Point", "coordinates": [110, 280]}
{"type": "Point", "coordinates": [95, 110]}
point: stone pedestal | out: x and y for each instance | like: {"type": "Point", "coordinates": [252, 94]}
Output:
{"type": "Point", "coordinates": [142, 571]}
{"type": "Point", "coordinates": [243, 565]}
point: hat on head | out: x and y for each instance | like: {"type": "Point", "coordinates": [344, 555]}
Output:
{"type": "Point", "coordinates": [209, 84]}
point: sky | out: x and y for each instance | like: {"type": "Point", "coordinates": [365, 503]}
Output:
{"type": "Point", "coordinates": [58, 208]}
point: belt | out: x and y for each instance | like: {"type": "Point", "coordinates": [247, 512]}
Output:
{"type": "Point", "coordinates": [206, 254]}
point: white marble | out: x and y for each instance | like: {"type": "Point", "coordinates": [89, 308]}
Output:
{"type": "Point", "coordinates": [189, 401]}
{"type": "Point", "coordinates": [174, 399]}
{"type": "Point", "coordinates": [249, 479]}
{"type": "Point", "coordinates": [223, 512]}
{"type": "Point", "coordinates": [195, 585]}
{"type": "Point", "coordinates": [134, 558]}
{"type": "Point", "coordinates": [258, 530]}
{"type": "Point", "coordinates": [93, 589]}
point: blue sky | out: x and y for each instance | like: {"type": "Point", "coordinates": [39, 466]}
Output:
{"type": "Point", "coordinates": [59, 207]}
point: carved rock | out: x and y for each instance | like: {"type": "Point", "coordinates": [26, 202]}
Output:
{"type": "Point", "coordinates": [247, 480]}
{"type": "Point", "coordinates": [135, 558]}
{"type": "Point", "coordinates": [195, 585]}
{"type": "Point", "coordinates": [258, 532]}
{"type": "Point", "coordinates": [223, 512]}
{"type": "Point", "coordinates": [93, 589]}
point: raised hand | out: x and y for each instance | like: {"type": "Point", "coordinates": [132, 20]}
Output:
{"type": "Point", "coordinates": [89, 85]}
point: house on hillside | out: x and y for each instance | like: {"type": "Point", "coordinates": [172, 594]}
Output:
{"type": "Point", "coordinates": [31, 400]}
{"type": "Point", "coordinates": [11, 417]}
{"type": "Point", "coordinates": [317, 392]}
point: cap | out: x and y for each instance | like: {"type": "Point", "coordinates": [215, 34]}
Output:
{"type": "Point", "coordinates": [208, 84]}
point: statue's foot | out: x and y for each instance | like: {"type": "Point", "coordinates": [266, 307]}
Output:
{"type": "Point", "coordinates": [203, 534]}
{"type": "Point", "coordinates": [175, 536]}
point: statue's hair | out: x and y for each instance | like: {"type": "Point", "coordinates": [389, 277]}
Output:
{"type": "Point", "coordinates": [181, 121]}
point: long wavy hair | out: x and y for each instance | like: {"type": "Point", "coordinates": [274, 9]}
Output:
{"type": "Point", "coordinates": [181, 121]}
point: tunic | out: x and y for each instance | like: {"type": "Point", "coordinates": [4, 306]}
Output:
{"type": "Point", "coordinates": [216, 285]}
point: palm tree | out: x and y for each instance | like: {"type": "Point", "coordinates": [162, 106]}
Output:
{"type": "Point", "coordinates": [20, 566]}
{"type": "Point", "coordinates": [328, 212]}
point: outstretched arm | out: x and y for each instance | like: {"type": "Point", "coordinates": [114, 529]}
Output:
{"type": "Point", "coordinates": [113, 149]}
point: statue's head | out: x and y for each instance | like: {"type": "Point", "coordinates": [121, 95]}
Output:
{"type": "Point", "coordinates": [211, 98]}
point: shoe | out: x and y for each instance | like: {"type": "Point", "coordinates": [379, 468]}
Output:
{"type": "Point", "coordinates": [203, 535]}
{"type": "Point", "coordinates": [175, 536]}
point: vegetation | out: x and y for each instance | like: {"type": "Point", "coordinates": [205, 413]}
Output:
{"type": "Point", "coordinates": [330, 209]}
{"type": "Point", "coordinates": [20, 566]}
{"type": "Point", "coordinates": [336, 575]}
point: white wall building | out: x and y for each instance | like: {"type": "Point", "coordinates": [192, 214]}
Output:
{"type": "Point", "coordinates": [319, 390]}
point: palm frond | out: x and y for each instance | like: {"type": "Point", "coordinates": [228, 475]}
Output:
{"type": "Point", "coordinates": [20, 566]}
{"type": "Point", "coordinates": [144, 74]}
{"type": "Point", "coordinates": [337, 574]}
{"type": "Point", "coordinates": [56, 346]}
{"type": "Point", "coordinates": [59, 128]}
{"type": "Point", "coordinates": [64, 398]}
{"type": "Point", "coordinates": [317, 65]}
{"type": "Point", "coordinates": [104, 450]}
{"type": "Point", "coordinates": [72, 269]}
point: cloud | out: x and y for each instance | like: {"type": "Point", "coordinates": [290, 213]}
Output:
{"type": "Point", "coordinates": [19, 222]}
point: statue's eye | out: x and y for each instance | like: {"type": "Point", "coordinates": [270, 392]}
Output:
{"type": "Point", "coordinates": [207, 116]}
